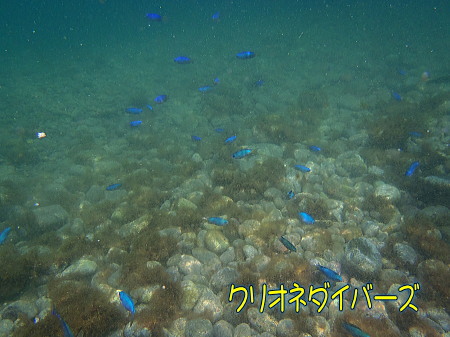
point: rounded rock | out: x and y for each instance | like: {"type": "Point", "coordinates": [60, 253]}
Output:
{"type": "Point", "coordinates": [199, 328]}
{"type": "Point", "coordinates": [388, 192]}
{"type": "Point", "coordinates": [362, 258]}
{"type": "Point", "coordinates": [216, 242]}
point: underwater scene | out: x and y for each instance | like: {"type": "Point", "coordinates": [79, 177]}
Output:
{"type": "Point", "coordinates": [224, 168]}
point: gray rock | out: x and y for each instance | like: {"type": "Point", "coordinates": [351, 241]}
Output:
{"type": "Point", "coordinates": [362, 258]}
{"type": "Point", "coordinates": [406, 254]}
{"type": "Point", "coordinates": [191, 293]}
{"type": "Point", "coordinates": [440, 316]}
{"type": "Point", "coordinates": [50, 217]}
{"type": "Point", "coordinates": [82, 267]}
{"type": "Point", "coordinates": [22, 307]}
{"type": "Point", "coordinates": [261, 321]}
{"type": "Point", "coordinates": [134, 330]}
{"type": "Point", "coordinates": [223, 329]}
{"type": "Point", "coordinates": [199, 328]}
{"type": "Point", "coordinates": [286, 328]}
{"type": "Point", "coordinates": [6, 327]}
{"type": "Point", "coordinates": [189, 265]}
{"type": "Point", "coordinates": [216, 242]}
{"type": "Point", "coordinates": [209, 303]}
{"type": "Point", "coordinates": [243, 330]}
{"type": "Point", "coordinates": [223, 277]}
{"type": "Point", "coordinates": [249, 251]}
{"type": "Point", "coordinates": [228, 256]}
{"type": "Point", "coordinates": [350, 164]}
{"type": "Point", "coordinates": [95, 194]}
{"type": "Point", "coordinates": [385, 191]}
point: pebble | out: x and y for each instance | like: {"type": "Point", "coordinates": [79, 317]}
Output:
{"type": "Point", "coordinates": [199, 328]}
{"type": "Point", "coordinates": [223, 278]}
{"type": "Point", "coordinates": [406, 254]}
{"type": "Point", "coordinates": [209, 303]}
{"type": "Point", "coordinates": [216, 242]}
{"type": "Point", "coordinates": [189, 265]}
{"type": "Point", "coordinates": [261, 321]}
{"type": "Point", "coordinates": [286, 328]}
{"type": "Point", "coordinates": [83, 267]}
{"type": "Point", "coordinates": [249, 251]}
{"type": "Point", "coordinates": [362, 258]}
{"type": "Point", "coordinates": [191, 294]}
{"type": "Point", "coordinates": [222, 329]}
{"type": "Point", "coordinates": [6, 327]}
{"type": "Point", "coordinates": [350, 164]}
{"type": "Point", "coordinates": [243, 330]}
{"type": "Point", "coordinates": [385, 191]}
{"type": "Point", "coordinates": [50, 217]}
{"type": "Point", "coordinates": [228, 256]}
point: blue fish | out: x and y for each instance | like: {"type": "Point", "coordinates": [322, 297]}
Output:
{"type": "Point", "coordinates": [259, 83]}
{"type": "Point", "coordinates": [306, 218]}
{"type": "Point", "coordinates": [182, 60]}
{"type": "Point", "coordinates": [331, 274]}
{"type": "Point", "coordinates": [127, 302]}
{"type": "Point", "coordinates": [215, 220]}
{"type": "Point", "coordinates": [288, 244]}
{"type": "Point", "coordinates": [161, 99]}
{"type": "Point", "coordinates": [219, 130]}
{"type": "Point", "coordinates": [205, 88]}
{"type": "Point", "coordinates": [290, 194]}
{"type": "Point", "coordinates": [4, 234]}
{"type": "Point", "coordinates": [66, 329]}
{"type": "Point", "coordinates": [396, 96]}
{"type": "Point", "coordinates": [245, 55]}
{"type": "Point", "coordinates": [149, 107]}
{"type": "Point", "coordinates": [113, 187]}
{"type": "Point", "coordinates": [416, 134]}
{"type": "Point", "coordinates": [230, 139]}
{"type": "Point", "coordinates": [314, 148]}
{"type": "Point", "coordinates": [134, 111]}
{"type": "Point", "coordinates": [354, 330]}
{"type": "Point", "coordinates": [196, 138]}
{"type": "Point", "coordinates": [135, 123]}
{"type": "Point", "coordinates": [241, 153]}
{"type": "Point", "coordinates": [216, 16]}
{"type": "Point", "coordinates": [154, 17]}
{"type": "Point", "coordinates": [302, 168]}
{"type": "Point", "coordinates": [216, 81]}
{"type": "Point", "coordinates": [410, 171]}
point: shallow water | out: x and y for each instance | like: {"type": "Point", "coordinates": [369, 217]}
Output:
{"type": "Point", "coordinates": [364, 82]}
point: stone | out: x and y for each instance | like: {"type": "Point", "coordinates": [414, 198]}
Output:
{"type": "Point", "coordinates": [243, 330]}
{"type": "Point", "coordinates": [286, 328]}
{"type": "Point", "coordinates": [199, 328]}
{"type": "Point", "coordinates": [189, 265]}
{"type": "Point", "coordinates": [209, 303]}
{"type": "Point", "coordinates": [406, 254]}
{"type": "Point", "coordinates": [83, 267]}
{"type": "Point", "coordinates": [223, 278]}
{"type": "Point", "coordinates": [362, 258]}
{"type": "Point", "coordinates": [387, 192]}
{"type": "Point", "coordinates": [190, 294]}
{"type": "Point", "coordinates": [223, 329]}
{"type": "Point", "coordinates": [216, 242]}
{"type": "Point", "coordinates": [50, 217]}
{"type": "Point", "coordinates": [261, 321]}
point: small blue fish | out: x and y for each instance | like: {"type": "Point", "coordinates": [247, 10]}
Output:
{"type": "Point", "coordinates": [306, 218]}
{"type": "Point", "coordinates": [205, 88]}
{"type": "Point", "coordinates": [416, 134]}
{"type": "Point", "coordinates": [215, 220]}
{"type": "Point", "coordinates": [149, 107]}
{"type": "Point", "coordinates": [4, 234]}
{"type": "Point", "coordinates": [154, 17]}
{"type": "Point", "coordinates": [331, 274]}
{"type": "Point", "coordinates": [302, 168]}
{"type": "Point", "coordinates": [290, 195]}
{"type": "Point", "coordinates": [230, 139]}
{"type": "Point", "coordinates": [182, 60]}
{"type": "Point", "coordinates": [113, 187]}
{"type": "Point", "coordinates": [244, 55]}
{"type": "Point", "coordinates": [241, 153]}
{"type": "Point", "coordinates": [410, 171]}
{"type": "Point", "coordinates": [135, 123]}
{"type": "Point", "coordinates": [127, 302]}
{"type": "Point", "coordinates": [196, 138]}
{"type": "Point", "coordinates": [314, 148]}
{"type": "Point", "coordinates": [402, 72]}
{"type": "Point", "coordinates": [216, 16]}
{"type": "Point", "coordinates": [259, 83]}
{"type": "Point", "coordinates": [216, 81]}
{"type": "Point", "coordinates": [288, 244]}
{"type": "Point", "coordinates": [134, 111]}
{"type": "Point", "coordinates": [396, 96]}
{"type": "Point", "coordinates": [161, 99]}
{"type": "Point", "coordinates": [219, 130]}
{"type": "Point", "coordinates": [354, 330]}
{"type": "Point", "coordinates": [66, 329]}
